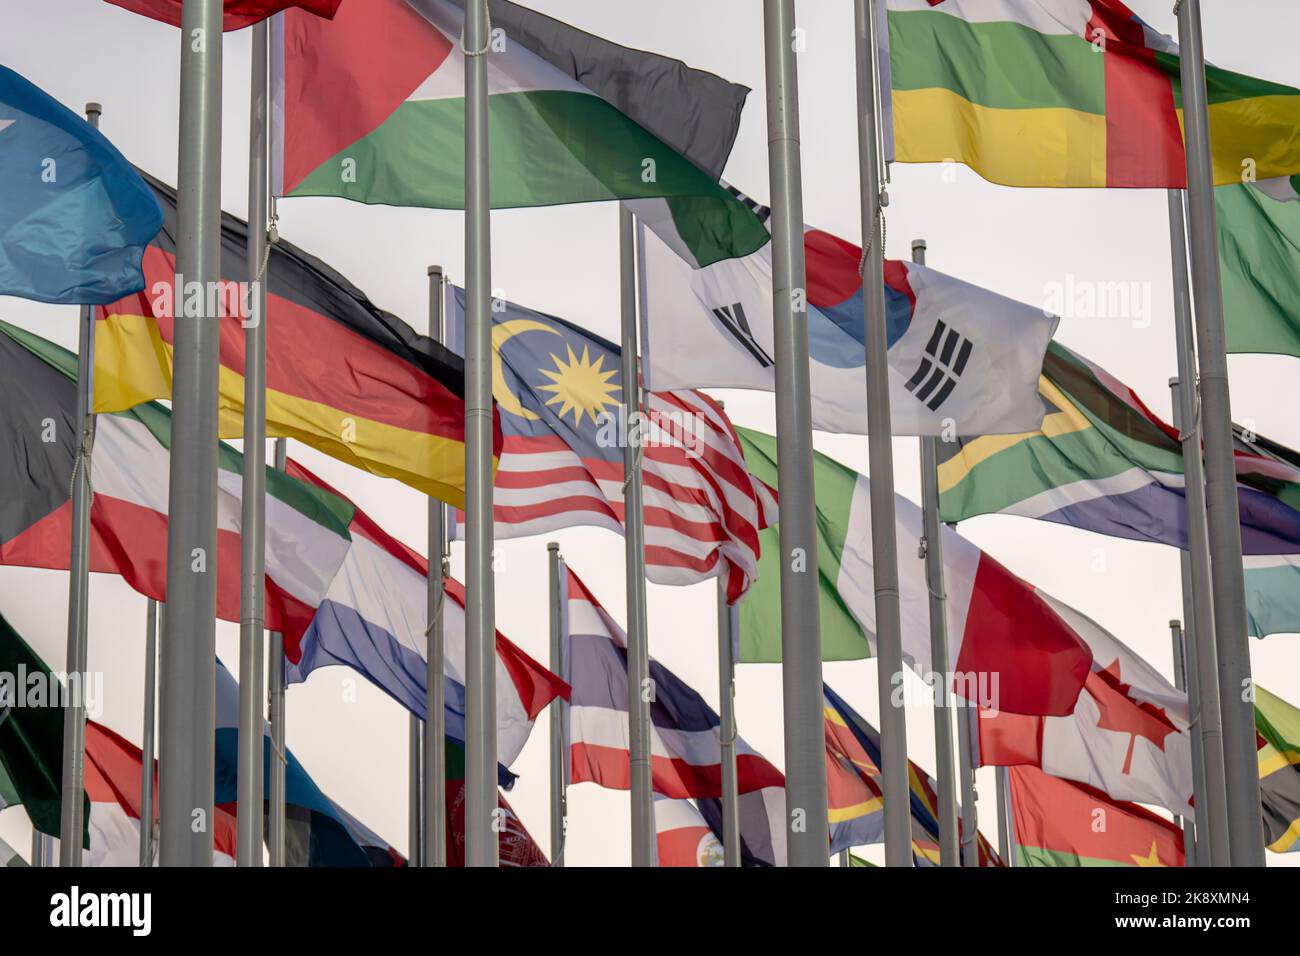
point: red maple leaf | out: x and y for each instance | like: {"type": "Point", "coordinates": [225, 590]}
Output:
{"type": "Point", "coordinates": [1121, 712]}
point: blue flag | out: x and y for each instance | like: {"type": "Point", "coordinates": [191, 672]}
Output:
{"type": "Point", "coordinates": [75, 217]}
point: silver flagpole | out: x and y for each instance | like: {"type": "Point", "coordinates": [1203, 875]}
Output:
{"type": "Point", "coordinates": [38, 848]}
{"type": "Point", "coordinates": [1007, 808]}
{"type": "Point", "coordinates": [966, 775]}
{"type": "Point", "coordinates": [801, 651]}
{"type": "Point", "coordinates": [1181, 682]}
{"type": "Point", "coordinates": [414, 790]}
{"type": "Point", "coordinates": [884, 532]}
{"type": "Point", "coordinates": [147, 735]}
{"type": "Point", "coordinates": [252, 577]}
{"type": "Point", "coordinates": [480, 612]}
{"type": "Point", "coordinates": [186, 766]}
{"type": "Point", "coordinates": [639, 689]}
{"type": "Point", "coordinates": [1004, 821]}
{"type": "Point", "coordinates": [435, 725]}
{"type": "Point", "coordinates": [559, 778]}
{"type": "Point", "coordinates": [932, 550]}
{"type": "Point", "coordinates": [728, 631]}
{"type": "Point", "coordinates": [1236, 692]}
{"type": "Point", "coordinates": [1197, 580]}
{"type": "Point", "coordinates": [844, 858]}
{"type": "Point", "coordinates": [71, 809]}
{"type": "Point", "coordinates": [275, 707]}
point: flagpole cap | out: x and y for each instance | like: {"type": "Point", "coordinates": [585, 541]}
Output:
{"type": "Point", "coordinates": [435, 270]}
{"type": "Point", "coordinates": [553, 546]}
{"type": "Point", "coordinates": [94, 110]}
{"type": "Point", "coordinates": [1174, 622]}
{"type": "Point", "coordinates": [1173, 381]}
{"type": "Point", "coordinates": [918, 244]}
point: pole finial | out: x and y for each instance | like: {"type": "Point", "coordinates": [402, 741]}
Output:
{"type": "Point", "coordinates": [553, 546]}
{"type": "Point", "coordinates": [435, 270]}
{"type": "Point", "coordinates": [918, 244]}
{"type": "Point", "coordinates": [94, 109]}
{"type": "Point", "coordinates": [1173, 381]}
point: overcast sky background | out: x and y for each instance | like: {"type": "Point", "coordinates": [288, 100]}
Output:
{"type": "Point", "coordinates": [563, 260]}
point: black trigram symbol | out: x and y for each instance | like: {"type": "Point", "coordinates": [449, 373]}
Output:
{"type": "Point", "coordinates": [733, 320]}
{"type": "Point", "coordinates": [946, 356]}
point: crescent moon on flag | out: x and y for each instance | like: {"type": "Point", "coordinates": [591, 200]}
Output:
{"type": "Point", "coordinates": [501, 333]}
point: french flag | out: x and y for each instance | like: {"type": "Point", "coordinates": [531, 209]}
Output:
{"type": "Point", "coordinates": [685, 739]}
{"type": "Point", "coordinates": [373, 619]}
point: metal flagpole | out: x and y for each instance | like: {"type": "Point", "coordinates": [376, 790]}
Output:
{"type": "Point", "coordinates": [414, 790]}
{"type": "Point", "coordinates": [639, 689]}
{"type": "Point", "coordinates": [966, 774]}
{"type": "Point", "coordinates": [801, 652]}
{"type": "Point", "coordinates": [884, 532]}
{"type": "Point", "coordinates": [728, 631]}
{"type": "Point", "coordinates": [252, 578]}
{"type": "Point", "coordinates": [844, 858]}
{"type": "Point", "coordinates": [435, 725]}
{"type": "Point", "coordinates": [71, 809]}
{"type": "Point", "coordinates": [147, 735]}
{"type": "Point", "coordinates": [1236, 692]}
{"type": "Point", "coordinates": [188, 726]}
{"type": "Point", "coordinates": [480, 628]}
{"type": "Point", "coordinates": [1007, 809]}
{"type": "Point", "coordinates": [1198, 778]}
{"type": "Point", "coordinates": [38, 848]}
{"type": "Point", "coordinates": [559, 778]}
{"type": "Point", "coordinates": [932, 551]}
{"type": "Point", "coordinates": [1004, 822]}
{"type": "Point", "coordinates": [275, 708]}
{"type": "Point", "coordinates": [1198, 590]}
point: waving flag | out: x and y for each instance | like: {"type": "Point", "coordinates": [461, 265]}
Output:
{"type": "Point", "coordinates": [1277, 727]}
{"type": "Point", "coordinates": [1069, 93]}
{"type": "Point", "coordinates": [682, 835]}
{"type": "Point", "coordinates": [559, 391]}
{"type": "Point", "coordinates": [9, 857]}
{"type": "Point", "coordinates": [959, 356]}
{"type": "Point", "coordinates": [1259, 260]}
{"type": "Point", "coordinates": [74, 216]}
{"type": "Point", "coordinates": [856, 800]}
{"type": "Point", "coordinates": [1056, 824]}
{"type": "Point", "coordinates": [1129, 736]}
{"type": "Point", "coordinates": [374, 617]}
{"type": "Point", "coordinates": [306, 528]}
{"type": "Point", "coordinates": [685, 741]}
{"type": "Point", "coordinates": [342, 375]}
{"type": "Point", "coordinates": [238, 13]}
{"type": "Point", "coordinates": [371, 107]}
{"type": "Point", "coordinates": [1105, 462]}
{"type": "Point", "coordinates": [1007, 639]}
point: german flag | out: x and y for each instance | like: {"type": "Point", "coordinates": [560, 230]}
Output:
{"type": "Point", "coordinates": [1277, 731]}
{"type": "Point", "coordinates": [343, 376]}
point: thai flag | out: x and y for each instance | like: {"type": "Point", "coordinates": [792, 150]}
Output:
{"type": "Point", "coordinates": [373, 619]}
{"type": "Point", "coordinates": [685, 742]}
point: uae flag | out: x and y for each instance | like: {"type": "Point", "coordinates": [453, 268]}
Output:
{"type": "Point", "coordinates": [371, 107]}
{"type": "Point", "coordinates": [1008, 642]}
{"type": "Point", "coordinates": [342, 375]}
{"type": "Point", "coordinates": [306, 527]}
{"type": "Point", "coordinates": [1059, 823]}
{"type": "Point", "coordinates": [238, 13]}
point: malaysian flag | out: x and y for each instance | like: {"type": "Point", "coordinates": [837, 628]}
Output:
{"type": "Point", "coordinates": [559, 390]}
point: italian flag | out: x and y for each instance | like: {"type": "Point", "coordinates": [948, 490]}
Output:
{"type": "Point", "coordinates": [1059, 823]}
{"type": "Point", "coordinates": [1000, 628]}
{"type": "Point", "coordinates": [371, 107]}
{"type": "Point", "coordinates": [306, 527]}
{"type": "Point", "coordinates": [1069, 93]}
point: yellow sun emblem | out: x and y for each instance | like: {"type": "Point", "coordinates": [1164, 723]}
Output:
{"type": "Point", "coordinates": [581, 386]}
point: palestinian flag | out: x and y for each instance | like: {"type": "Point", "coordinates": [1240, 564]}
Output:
{"type": "Point", "coordinates": [31, 733]}
{"type": "Point", "coordinates": [306, 527]}
{"type": "Point", "coordinates": [1059, 823]}
{"type": "Point", "coordinates": [1105, 462]}
{"type": "Point", "coordinates": [1046, 93]}
{"type": "Point", "coordinates": [1277, 729]}
{"type": "Point", "coordinates": [999, 627]}
{"type": "Point", "coordinates": [342, 375]}
{"type": "Point", "coordinates": [238, 13]}
{"type": "Point", "coordinates": [370, 107]}
{"type": "Point", "coordinates": [1259, 259]}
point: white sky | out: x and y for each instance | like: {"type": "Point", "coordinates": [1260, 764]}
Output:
{"type": "Point", "coordinates": [563, 260]}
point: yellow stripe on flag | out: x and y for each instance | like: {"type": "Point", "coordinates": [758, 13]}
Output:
{"type": "Point", "coordinates": [1259, 134]}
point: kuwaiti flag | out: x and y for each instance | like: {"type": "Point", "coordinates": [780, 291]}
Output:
{"type": "Point", "coordinates": [683, 836]}
{"type": "Point", "coordinates": [306, 527]}
{"type": "Point", "coordinates": [1129, 735]}
{"type": "Point", "coordinates": [373, 619]}
{"type": "Point", "coordinates": [559, 390]}
{"type": "Point", "coordinates": [960, 357]}
{"type": "Point", "coordinates": [371, 107]}
{"type": "Point", "coordinates": [1008, 642]}
{"type": "Point", "coordinates": [685, 741]}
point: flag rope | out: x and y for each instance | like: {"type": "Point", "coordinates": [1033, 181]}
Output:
{"type": "Point", "coordinates": [487, 42]}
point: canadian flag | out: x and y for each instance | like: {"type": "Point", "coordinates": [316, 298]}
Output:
{"type": "Point", "coordinates": [1129, 734]}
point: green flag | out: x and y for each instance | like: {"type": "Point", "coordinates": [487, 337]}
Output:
{"type": "Point", "coordinates": [1259, 257]}
{"type": "Point", "coordinates": [855, 860]}
{"type": "Point", "coordinates": [31, 735]}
